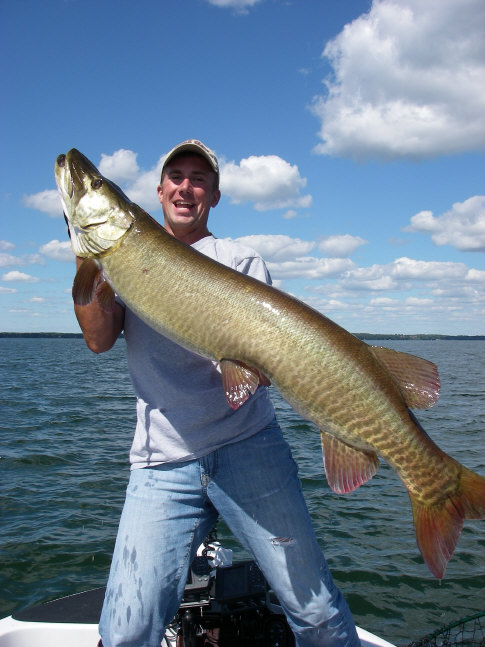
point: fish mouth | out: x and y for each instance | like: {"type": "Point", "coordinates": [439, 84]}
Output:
{"type": "Point", "coordinates": [66, 184]}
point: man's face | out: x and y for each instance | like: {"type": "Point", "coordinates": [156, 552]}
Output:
{"type": "Point", "coordinates": [187, 193]}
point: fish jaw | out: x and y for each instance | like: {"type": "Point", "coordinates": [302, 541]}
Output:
{"type": "Point", "coordinates": [97, 211]}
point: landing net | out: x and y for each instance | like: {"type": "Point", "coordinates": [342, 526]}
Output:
{"type": "Point", "coordinates": [467, 632]}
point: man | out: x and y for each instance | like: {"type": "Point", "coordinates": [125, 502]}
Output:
{"type": "Point", "coordinates": [193, 457]}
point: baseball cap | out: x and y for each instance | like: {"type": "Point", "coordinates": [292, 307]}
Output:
{"type": "Point", "coordinates": [194, 146]}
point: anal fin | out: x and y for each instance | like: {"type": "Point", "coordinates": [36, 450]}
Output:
{"type": "Point", "coordinates": [346, 467]}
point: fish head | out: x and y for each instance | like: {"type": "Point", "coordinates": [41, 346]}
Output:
{"type": "Point", "coordinates": [97, 211]}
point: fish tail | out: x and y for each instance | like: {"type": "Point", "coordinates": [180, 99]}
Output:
{"type": "Point", "coordinates": [438, 526]}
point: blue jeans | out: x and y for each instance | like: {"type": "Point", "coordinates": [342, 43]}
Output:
{"type": "Point", "coordinates": [170, 509]}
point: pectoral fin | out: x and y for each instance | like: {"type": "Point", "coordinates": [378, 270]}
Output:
{"type": "Point", "coordinates": [85, 282]}
{"type": "Point", "coordinates": [417, 378]}
{"type": "Point", "coordinates": [90, 284]}
{"type": "Point", "coordinates": [105, 295]}
{"type": "Point", "coordinates": [346, 467]}
{"type": "Point", "coordinates": [239, 382]}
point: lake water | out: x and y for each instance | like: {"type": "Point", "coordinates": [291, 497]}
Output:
{"type": "Point", "coordinates": [66, 424]}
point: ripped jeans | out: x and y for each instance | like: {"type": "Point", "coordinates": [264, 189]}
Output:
{"type": "Point", "coordinates": [169, 510]}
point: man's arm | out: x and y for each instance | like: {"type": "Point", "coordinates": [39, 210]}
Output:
{"type": "Point", "coordinates": [100, 328]}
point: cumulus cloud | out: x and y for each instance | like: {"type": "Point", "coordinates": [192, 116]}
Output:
{"type": "Point", "coordinates": [119, 166]}
{"type": "Point", "coordinates": [139, 185]}
{"type": "Point", "coordinates": [143, 189]}
{"type": "Point", "coordinates": [5, 245]}
{"type": "Point", "coordinates": [58, 250]}
{"type": "Point", "coordinates": [267, 180]}
{"type": "Point", "coordinates": [401, 273]}
{"type": "Point", "coordinates": [7, 290]}
{"type": "Point", "coordinates": [462, 227]}
{"type": "Point", "coordinates": [309, 267]}
{"type": "Point", "coordinates": [408, 82]}
{"type": "Point", "coordinates": [341, 245]}
{"type": "Point", "coordinates": [21, 277]}
{"type": "Point", "coordinates": [46, 201]}
{"type": "Point", "coordinates": [9, 260]}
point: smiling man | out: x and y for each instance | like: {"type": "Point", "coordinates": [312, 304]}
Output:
{"type": "Point", "coordinates": [194, 458]}
{"type": "Point", "coordinates": [189, 188]}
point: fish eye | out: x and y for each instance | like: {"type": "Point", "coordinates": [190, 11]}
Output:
{"type": "Point", "coordinates": [61, 160]}
{"type": "Point", "coordinates": [97, 184]}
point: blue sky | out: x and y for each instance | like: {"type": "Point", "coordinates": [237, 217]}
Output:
{"type": "Point", "coordinates": [350, 134]}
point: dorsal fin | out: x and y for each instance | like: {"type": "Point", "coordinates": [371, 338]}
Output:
{"type": "Point", "coordinates": [416, 377]}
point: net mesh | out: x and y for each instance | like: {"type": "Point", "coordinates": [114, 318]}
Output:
{"type": "Point", "coordinates": [467, 632]}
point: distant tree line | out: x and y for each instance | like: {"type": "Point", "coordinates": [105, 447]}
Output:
{"type": "Point", "coordinates": [361, 335]}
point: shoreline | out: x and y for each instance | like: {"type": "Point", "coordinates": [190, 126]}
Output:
{"type": "Point", "coordinates": [364, 336]}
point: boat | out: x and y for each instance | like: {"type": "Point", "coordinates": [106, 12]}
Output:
{"type": "Point", "coordinates": [230, 602]}
{"type": "Point", "coordinates": [73, 621]}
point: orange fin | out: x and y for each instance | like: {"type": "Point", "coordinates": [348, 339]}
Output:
{"type": "Point", "coordinates": [417, 378]}
{"type": "Point", "coordinates": [239, 382]}
{"type": "Point", "coordinates": [346, 467]}
{"type": "Point", "coordinates": [85, 282]}
{"type": "Point", "coordinates": [438, 526]}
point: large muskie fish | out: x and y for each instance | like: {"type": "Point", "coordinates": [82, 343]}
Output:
{"type": "Point", "coordinates": [358, 395]}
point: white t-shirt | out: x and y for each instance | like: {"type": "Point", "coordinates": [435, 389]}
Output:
{"type": "Point", "coordinates": [182, 411]}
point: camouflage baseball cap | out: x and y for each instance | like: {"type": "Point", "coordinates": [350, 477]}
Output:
{"type": "Point", "coordinates": [194, 146]}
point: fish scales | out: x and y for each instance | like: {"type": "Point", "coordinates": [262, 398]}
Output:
{"type": "Point", "coordinates": [357, 395]}
{"type": "Point", "coordinates": [165, 276]}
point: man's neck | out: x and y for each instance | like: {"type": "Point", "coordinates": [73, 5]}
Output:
{"type": "Point", "coordinates": [189, 237]}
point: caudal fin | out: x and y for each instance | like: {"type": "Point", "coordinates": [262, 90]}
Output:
{"type": "Point", "coordinates": [438, 527]}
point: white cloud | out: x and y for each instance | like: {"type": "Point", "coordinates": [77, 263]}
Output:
{"type": "Point", "coordinates": [462, 227]}
{"type": "Point", "coordinates": [143, 189]}
{"type": "Point", "coordinates": [58, 250]}
{"type": "Point", "coordinates": [21, 277]}
{"type": "Point", "coordinates": [239, 5]}
{"type": "Point", "coordinates": [277, 247]}
{"type": "Point", "coordinates": [46, 201]}
{"type": "Point", "coordinates": [267, 180]}
{"type": "Point", "coordinates": [119, 166]}
{"type": "Point", "coordinates": [7, 290]}
{"type": "Point", "coordinates": [309, 267]}
{"type": "Point", "coordinates": [341, 245]}
{"type": "Point", "coordinates": [9, 260]}
{"type": "Point", "coordinates": [475, 276]}
{"type": "Point", "coordinates": [37, 300]}
{"type": "Point", "coordinates": [5, 244]}
{"type": "Point", "coordinates": [408, 81]}
{"type": "Point", "coordinates": [401, 273]}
